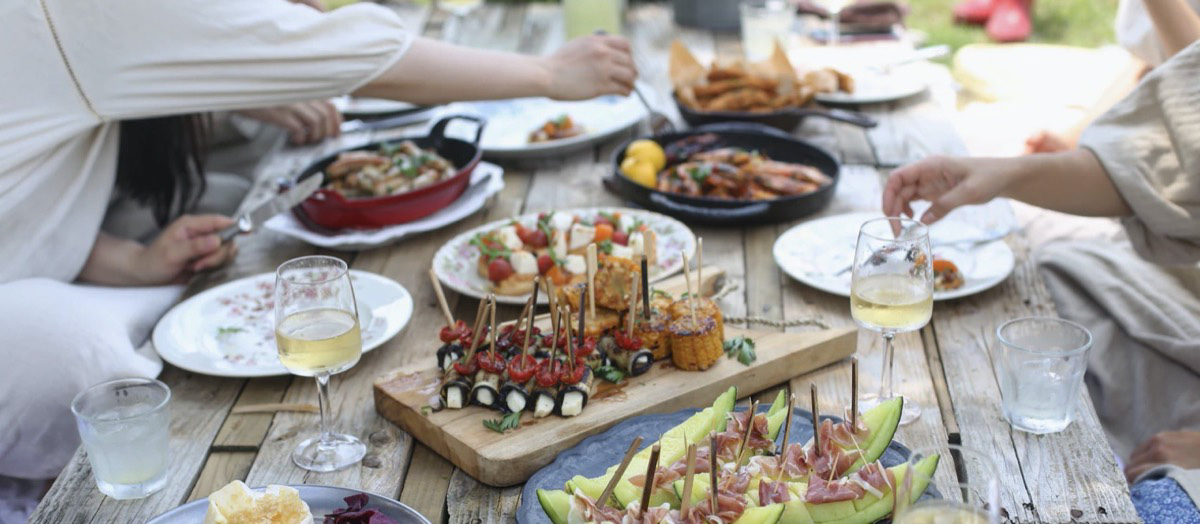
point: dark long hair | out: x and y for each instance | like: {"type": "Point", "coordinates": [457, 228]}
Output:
{"type": "Point", "coordinates": [160, 163]}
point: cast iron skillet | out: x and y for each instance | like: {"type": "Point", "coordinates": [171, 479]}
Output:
{"type": "Point", "coordinates": [784, 119]}
{"type": "Point", "coordinates": [776, 144]}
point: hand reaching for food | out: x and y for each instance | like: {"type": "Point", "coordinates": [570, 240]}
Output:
{"type": "Point", "coordinates": [189, 244]}
{"type": "Point", "coordinates": [305, 122]}
{"type": "Point", "coordinates": [591, 66]}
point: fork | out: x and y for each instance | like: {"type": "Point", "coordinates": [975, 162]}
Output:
{"type": "Point", "coordinates": [659, 123]}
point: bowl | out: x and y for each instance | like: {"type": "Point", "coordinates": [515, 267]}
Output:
{"type": "Point", "coordinates": [785, 119]}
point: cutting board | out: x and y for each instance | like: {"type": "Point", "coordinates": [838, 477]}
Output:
{"type": "Point", "coordinates": [511, 458]}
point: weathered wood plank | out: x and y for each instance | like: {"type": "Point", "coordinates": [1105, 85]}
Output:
{"type": "Point", "coordinates": [1044, 478]}
{"type": "Point", "coordinates": [470, 502]}
{"type": "Point", "coordinates": [245, 431]}
{"type": "Point", "coordinates": [221, 468]}
{"type": "Point", "coordinates": [427, 484]}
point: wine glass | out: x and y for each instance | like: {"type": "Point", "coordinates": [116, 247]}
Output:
{"type": "Point", "coordinates": [891, 291]}
{"type": "Point", "coordinates": [317, 332]}
{"type": "Point", "coordinates": [969, 495]}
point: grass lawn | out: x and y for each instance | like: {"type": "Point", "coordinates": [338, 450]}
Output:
{"type": "Point", "coordinates": [1084, 23]}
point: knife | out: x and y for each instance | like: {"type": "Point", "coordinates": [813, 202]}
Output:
{"type": "Point", "coordinates": [417, 116]}
{"type": "Point", "coordinates": [289, 198]}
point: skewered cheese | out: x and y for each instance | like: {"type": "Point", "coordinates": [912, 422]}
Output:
{"type": "Point", "coordinates": [637, 242]}
{"type": "Point", "coordinates": [581, 236]}
{"type": "Point", "coordinates": [524, 263]}
{"type": "Point", "coordinates": [575, 265]}
{"type": "Point", "coordinates": [508, 236]}
{"type": "Point", "coordinates": [622, 251]}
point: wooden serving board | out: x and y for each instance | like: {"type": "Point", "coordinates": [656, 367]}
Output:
{"type": "Point", "coordinates": [511, 458]}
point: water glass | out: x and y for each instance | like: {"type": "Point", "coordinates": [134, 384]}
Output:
{"type": "Point", "coordinates": [765, 22]}
{"type": "Point", "coordinates": [1040, 362]}
{"type": "Point", "coordinates": [124, 426]}
{"type": "Point", "coordinates": [968, 495]}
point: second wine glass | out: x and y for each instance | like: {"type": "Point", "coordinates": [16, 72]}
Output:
{"type": "Point", "coordinates": [317, 333]}
{"type": "Point", "coordinates": [891, 291]}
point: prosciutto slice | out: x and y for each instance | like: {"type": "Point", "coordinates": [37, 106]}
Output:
{"type": "Point", "coordinates": [585, 509]}
{"type": "Point", "coordinates": [820, 491]}
{"type": "Point", "coordinates": [772, 492]}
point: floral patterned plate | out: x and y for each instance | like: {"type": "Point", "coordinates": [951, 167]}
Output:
{"type": "Point", "coordinates": [455, 262]}
{"type": "Point", "coordinates": [229, 330]}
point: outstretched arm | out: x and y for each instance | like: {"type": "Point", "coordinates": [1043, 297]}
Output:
{"type": "Point", "coordinates": [1071, 182]}
{"type": "Point", "coordinates": [433, 72]}
{"type": "Point", "coordinates": [1177, 24]}
{"type": "Point", "coordinates": [187, 245]}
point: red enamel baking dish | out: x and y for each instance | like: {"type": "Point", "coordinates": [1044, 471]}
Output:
{"type": "Point", "coordinates": [328, 209]}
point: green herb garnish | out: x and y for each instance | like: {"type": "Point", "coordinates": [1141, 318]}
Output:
{"type": "Point", "coordinates": [500, 425]}
{"type": "Point", "coordinates": [700, 174]}
{"type": "Point", "coordinates": [605, 247]}
{"type": "Point", "coordinates": [488, 251]}
{"type": "Point", "coordinates": [609, 373]}
{"type": "Point", "coordinates": [661, 293]}
{"type": "Point", "coordinates": [222, 331]}
{"type": "Point", "coordinates": [742, 348]}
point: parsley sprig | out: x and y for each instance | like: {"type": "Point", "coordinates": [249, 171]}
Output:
{"type": "Point", "coordinates": [488, 251]}
{"type": "Point", "coordinates": [610, 374]}
{"type": "Point", "coordinates": [742, 348]}
{"type": "Point", "coordinates": [500, 425]}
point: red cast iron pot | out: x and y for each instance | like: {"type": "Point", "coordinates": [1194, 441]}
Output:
{"type": "Point", "coordinates": [329, 210]}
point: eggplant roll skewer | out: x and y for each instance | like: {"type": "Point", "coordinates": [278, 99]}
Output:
{"type": "Point", "coordinates": [455, 389]}
{"type": "Point", "coordinates": [486, 391]}
{"type": "Point", "coordinates": [448, 354]}
{"type": "Point", "coordinates": [573, 398]}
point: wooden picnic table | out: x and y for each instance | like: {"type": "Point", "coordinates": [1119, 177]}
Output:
{"type": "Point", "coordinates": [1069, 476]}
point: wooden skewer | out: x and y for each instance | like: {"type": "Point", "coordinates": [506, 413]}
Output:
{"type": "Point", "coordinates": [441, 298]}
{"type": "Point", "coordinates": [651, 469]}
{"type": "Point", "coordinates": [492, 350]}
{"type": "Point", "coordinates": [591, 279]}
{"type": "Point", "coordinates": [712, 471]}
{"type": "Point", "coordinates": [529, 328]}
{"type": "Point", "coordinates": [853, 394]}
{"type": "Point", "coordinates": [633, 303]}
{"type": "Point", "coordinates": [815, 420]}
{"type": "Point", "coordinates": [787, 432]}
{"type": "Point", "coordinates": [700, 263]}
{"type": "Point", "coordinates": [612, 483]}
{"type": "Point", "coordinates": [691, 303]}
{"type": "Point", "coordinates": [583, 316]}
{"type": "Point", "coordinates": [274, 408]}
{"type": "Point", "coordinates": [687, 481]}
{"type": "Point", "coordinates": [749, 428]}
{"type": "Point", "coordinates": [552, 300]}
{"type": "Point", "coordinates": [645, 289]}
{"type": "Point", "coordinates": [483, 305]}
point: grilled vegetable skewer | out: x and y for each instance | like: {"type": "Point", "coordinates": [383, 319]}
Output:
{"type": "Point", "coordinates": [545, 394]}
{"type": "Point", "coordinates": [515, 392]}
{"type": "Point", "coordinates": [486, 390]}
{"type": "Point", "coordinates": [452, 334]}
{"type": "Point", "coordinates": [456, 385]}
{"type": "Point", "coordinates": [629, 354]}
{"type": "Point", "coordinates": [576, 383]}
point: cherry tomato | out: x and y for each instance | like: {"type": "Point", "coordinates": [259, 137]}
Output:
{"type": "Point", "coordinates": [603, 232]}
{"type": "Point", "coordinates": [558, 276]}
{"type": "Point", "coordinates": [620, 237]}
{"type": "Point", "coordinates": [537, 239]}
{"type": "Point", "coordinates": [549, 372]}
{"type": "Point", "coordinates": [521, 368]}
{"type": "Point", "coordinates": [627, 343]}
{"type": "Point", "coordinates": [452, 333]}
{"type": "Point", "coordinates": [602, 220]}
{"type": "Point", "coordinates": [544, 264]}
{"type": "Point", "coordinates": [499, 269]}
{"type": "Point", "coordinates": [465, 340]}
{"type": "Point", "coordinates": [570, 377]}
{"type": "Point", "coordinates": [467, 368]}
{"type": "Point", "coordinates": [491, 363]}
{"type": "Point", "coordinates": [587, 348]}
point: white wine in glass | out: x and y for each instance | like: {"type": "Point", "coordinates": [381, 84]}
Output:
{"type": "Point", "coordinates": [972, 498]}
{"type": "Point", "coordinates": [891, 291]}
{"type": "Point", "coordinates": [318, 335]}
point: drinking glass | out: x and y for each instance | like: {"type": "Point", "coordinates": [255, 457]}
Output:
{"type": "Point", "coordinates": [970, 494]}
{"type": "Point", "coordinates": [584, 17]}
{"type": "Point", "coordinates": [317, 332]}
{"type": "Point", "coordinates": [835, 12]}
{"type": "Point", "coordinates": [765, 22]}
{"type": "Point", "coordinates": [1040, 362]}
{"type": "Point", "coordinates": [891, 291]}
{"type": "Point", "coordinates": [124, 426]}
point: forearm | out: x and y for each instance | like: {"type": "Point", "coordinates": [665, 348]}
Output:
{"type": "Point", "coordinates": [1175, 22]}
{"type": "Point", "coordinates": [1071, 182]}
{"type": "Point", "coordinates": [432, 72]}
{"type": "Point", "coordinates": [113, 262]}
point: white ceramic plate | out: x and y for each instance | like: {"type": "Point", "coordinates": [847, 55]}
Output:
{"type": "Point", "coordinates": [321, 501]}
{"type": "Point", "coordinates": [229, 330]}
{"type": "Point", "coordinates": [455, 262]}
{"type": "Point", "coordinates": [486, 180]}
{"type": "Point", "coordinates": [509, 123]}
{"type": "Point", "coordinates": [814, 252]}
{"type": "Point", "coordinates": [876, 88]}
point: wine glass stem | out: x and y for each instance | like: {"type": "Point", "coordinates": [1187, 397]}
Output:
{"type": "Point", "coordinates": [885, 383]}
{"type": "Point", "coordinates": [323, 399]}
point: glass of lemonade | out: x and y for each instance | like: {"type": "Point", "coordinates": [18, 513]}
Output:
{"type": "Point", "coordinates": [584, 17]}
{"type": "Point", "coordinates": [124, 426]}
{"type": "Point", "coordinates": [765, 22]}
{"type": "Point", "coordinates": [891, 290]}
{"type": "Point", "coordinates": [969, 494]}
{"type": "Point", "coordinates": [317, 333]}
{"type": "Point", "coordinates": [1040, 362]}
